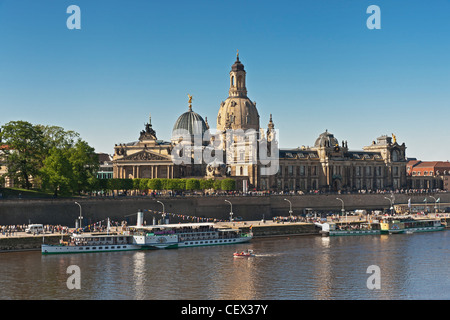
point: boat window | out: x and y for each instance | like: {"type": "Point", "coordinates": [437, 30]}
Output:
{"type": "Point", "coordinates": [100, 247]}
{"type": "Point", "coordinates": [87, 248]}
{"type": "Point", "coordinates": [93, 248]}
{"type": "Point", "coordinates": [80, 248]}
{"type": "Point", "coordinates": [112, 247]}
{"type": "Point", "coordinates": [106, 247]}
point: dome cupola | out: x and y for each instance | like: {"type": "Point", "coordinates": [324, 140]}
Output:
{"type": "Point", "coordinates": [189, 122]}
{"type": "Point", "coordinates": [326, 140]}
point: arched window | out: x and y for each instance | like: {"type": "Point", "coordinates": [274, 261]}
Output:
{"type": "Point", "coordinates": [232, 81]}
{"type": "Point", "coordinates": [239, 81]}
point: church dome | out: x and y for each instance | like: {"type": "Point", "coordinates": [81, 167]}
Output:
{"type": "Point", "coordinates": [326, 139]}
{"type": "Point", "coordinates": [191, 122]}
{"type": "Point", "coordinates": [237, 111]}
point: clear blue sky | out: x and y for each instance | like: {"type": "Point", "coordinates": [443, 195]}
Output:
{"type": "Point", "coordinates": [313, 64]}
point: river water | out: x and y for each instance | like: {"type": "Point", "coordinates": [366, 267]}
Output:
{"type": "Point", "coordinates": [411, 266]}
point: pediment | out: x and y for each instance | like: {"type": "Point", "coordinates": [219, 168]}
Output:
{"type": "Point", "coordinates": [145, 156]}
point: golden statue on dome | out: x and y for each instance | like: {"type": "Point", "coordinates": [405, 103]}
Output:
{"type": "Point", "coordinates": [190, 101]}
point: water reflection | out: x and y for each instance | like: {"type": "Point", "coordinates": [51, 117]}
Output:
{"type": "Point", "coordinates": [139, 275]}
{"type": "Point", "coordinates": [412, 267]}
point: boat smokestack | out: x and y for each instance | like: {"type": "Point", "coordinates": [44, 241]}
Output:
{"type": "Point", "coordinates": [140, 219]}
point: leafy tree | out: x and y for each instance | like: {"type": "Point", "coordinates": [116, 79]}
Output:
{"type": "Point", "coordinates": [25, 152]}
{"type": "Point", "coordinates": [54, 136]}
{"type": "Point", "coordinates": [206, 184]}
{"type": "Point", "coordinates": [57, 174]}
{"type": "Point", "coordinates": [136, 183]}
{"type": "Point", "coordinates": [143, 184]}
{"type": "Point", "coordinates": [155, 184]}
{"type": "Point", "coordinates": [217, 184]}
{"type": "Point", "coordinates": [114, 184]}
{"type": "Point", "coordinates": [127, 184]}
{"type": "Point", "coordinates": [181, 184]}
{"type": "Point", "coordinates": [85, 165]}
{"type": "Point", "coordinates": [192, 184]}
{"type": "Point", "coordinates": [228, 184]}
{"type": "Point", "coordinates": [172, 184]}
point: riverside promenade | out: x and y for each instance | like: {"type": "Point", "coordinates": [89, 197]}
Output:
{"type": "Point", "coordinates": [277, 227]}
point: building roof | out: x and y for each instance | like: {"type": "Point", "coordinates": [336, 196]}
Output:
{"type": "Point", "coordinates": [191, 122]}
{"type": "Point", "coordinates": [326, 139]}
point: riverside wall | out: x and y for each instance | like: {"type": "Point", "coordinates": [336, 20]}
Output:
{"type": "Point", "coordinates": [65, 211]}
{"type": "Point", "coordinates": [10, 244]}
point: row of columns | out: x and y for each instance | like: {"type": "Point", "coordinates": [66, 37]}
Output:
{"type": "Point", "coordinates": [138, 171]}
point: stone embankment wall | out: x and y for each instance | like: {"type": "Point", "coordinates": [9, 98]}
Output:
{"type": "Point", "coordinates": [8, 244]}
{"type": "Point", "coordinates": [65, 211]}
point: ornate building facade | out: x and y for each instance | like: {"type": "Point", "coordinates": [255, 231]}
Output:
{"type": "Point", "coordinates": [332, 166]}
{"type": "Point", "coordinates": [327, 166]}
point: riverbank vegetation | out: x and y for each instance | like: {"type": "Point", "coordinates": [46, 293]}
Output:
{"type": "Point", "coordinates": [49, 161]}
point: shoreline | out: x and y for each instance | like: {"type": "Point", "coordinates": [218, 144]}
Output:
{"type": "Point", "coordinates": [22, 242]}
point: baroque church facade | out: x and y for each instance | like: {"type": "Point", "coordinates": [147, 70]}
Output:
{"type": "Point", "coordinates": [327, 166]}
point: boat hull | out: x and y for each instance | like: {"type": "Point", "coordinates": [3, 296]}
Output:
{"type": "Point", "coordinates": [353, 232]}
{"type": "Point", "coordinates": [213, 242]}
{"type": "Point", "coordinates": [413, 230]}
{"type": "Point", "coordinates": [59, 249]}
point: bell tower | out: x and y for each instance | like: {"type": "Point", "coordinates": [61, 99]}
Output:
{"type": "Point", "coordinates": [237, 79]}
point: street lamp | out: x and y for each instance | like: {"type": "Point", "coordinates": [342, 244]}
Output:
{"type": "Point", "coordinates": [343, 209]}
{"type": "Point", "coordinates": [392, 205]}
{"type": "Point", "coordinates": [290, 208]}
{"type": "Point", "coordinates": [231, 210]}
{"type": "Point", "coordinates": [164, 212]}
{"type": "Point", "coordinates": [80, 217]}
{"type": "Point", "coordinates": [435, 204]}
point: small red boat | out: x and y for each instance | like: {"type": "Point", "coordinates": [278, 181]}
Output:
{"type": "Point", "coordinates": [248, 253]}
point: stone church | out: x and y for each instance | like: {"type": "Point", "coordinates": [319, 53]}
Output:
{"type": "Point", "coordinates": [327, 166]}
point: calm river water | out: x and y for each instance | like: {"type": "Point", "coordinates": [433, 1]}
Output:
{"type": "Point", "coordinates": [415, 266]}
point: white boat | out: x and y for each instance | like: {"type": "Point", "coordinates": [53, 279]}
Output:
{"type": "Point", "coordinates": [331, 229]}
{"type": "Point", "coordinates": [409, 225]}
{"type": "Point", "coordinates": [188, 235]}
{"type": "Point", "coordinates": [88, 242]}
{"type": "Point", "coordinates": [150, 237]}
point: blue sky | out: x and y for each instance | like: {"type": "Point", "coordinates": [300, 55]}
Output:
{"type": "Point", "coordinates": [313, 64]}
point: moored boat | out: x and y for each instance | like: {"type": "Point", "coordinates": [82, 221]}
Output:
{"type": "Point", "coordinates": [333, 229]}
{"type": "Point", "coordinates": [409, 225]}
{"type": "Point", "coordinates": [88, 242]}
{"type": "Point", "coordinates": [150, 237]}
{"type": "Point", "coordinates": [189, 235]}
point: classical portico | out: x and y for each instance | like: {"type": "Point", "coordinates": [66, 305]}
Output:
{"type": "Point", "coordinates": [146, 158]}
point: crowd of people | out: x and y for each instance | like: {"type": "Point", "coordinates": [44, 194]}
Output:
{"type": "Point", "coordinates": [15, 229]}
{"type": "Point", "coordinates": [264, 193]}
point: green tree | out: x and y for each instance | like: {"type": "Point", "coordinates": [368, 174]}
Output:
{"type": "Point", "coordinates": [143, 184]}
{"type": "Point", "coordinates": [114, 184]}
{"type": "Point", "coordinates": [155, 184]}
{"type": "Point", "coordinates": [228, 184]}
{"type": "Point", "coordinates": [54, 136]}
{"type": "Point", "coordinates": [57, 174]}
{"type": "Point", "coordinates": [181, 184]}
{"type": "Point", "coordinates": [172, 184]}
{"type": "Point", "coordinates": [217, 184]}
{"type": "Point", "coordinates": [85, 165]}
{"type": "Point", "coordinates": [192, 184]}
{"type": "Point", "coordinates": [206, 184]}
{"type": "Point", "coordinates": [25, 154]}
